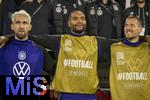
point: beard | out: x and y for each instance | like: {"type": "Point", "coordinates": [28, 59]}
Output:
{"type": "Point", "coordinates": [21, 35]}
{"type": "Point", "coordinates": [78, 30]}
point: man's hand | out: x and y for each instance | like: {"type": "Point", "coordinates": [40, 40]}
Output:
{"type": "Point", "coordinates": [3, 40]}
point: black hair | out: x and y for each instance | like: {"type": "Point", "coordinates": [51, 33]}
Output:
{"type": "Point", "coordinates": [73, 11]}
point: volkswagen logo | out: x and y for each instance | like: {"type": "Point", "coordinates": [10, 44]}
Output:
{"type": "Point", "coordinates": [21, 70]}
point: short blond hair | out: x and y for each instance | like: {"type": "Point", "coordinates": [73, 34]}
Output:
{"type": "Point", "coordinates": [132, 16]}
{"type": "Point", "coordinates": [21, 12]}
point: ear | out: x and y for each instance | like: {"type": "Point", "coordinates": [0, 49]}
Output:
{"type": "Point", "coordinates": [12, 27]}
{"type": "Point", "coordinates": [30, 27]}
{"type": "Point", "coordinates": [140, 29]}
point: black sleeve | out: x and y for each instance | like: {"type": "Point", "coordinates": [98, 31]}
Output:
{"type": "Point", "coordinates": [103, 64]}
{"type": "Point", "coordinates": [104, 48]}
{"type": "Point", "coordinates": [48, 66]}
{"type": "Point", "coordinates": [47, 41]}
{"type": "Point", "coordinates": [103, 45]}
{"type": "Point", "coordinates": [10, 37]}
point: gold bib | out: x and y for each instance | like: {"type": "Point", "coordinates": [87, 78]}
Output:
{"type": "Point", "coordinates": [130, 72]}
{"type": "Point", "coordinates": [76, 70]}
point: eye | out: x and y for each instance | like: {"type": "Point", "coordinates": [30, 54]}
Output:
{"type": "Point", "coordinates": [132, 25]}
{"type": "Point", "coordinates": [82, 18]}
{"type": "Point", "coordinates": [126, 25]}
{"type": "Point", "coordinates": [17, 22]}
{"type": "Point", "coordinates": [74, 18]}
{"type": "Point", "coordinates": [25, 22]}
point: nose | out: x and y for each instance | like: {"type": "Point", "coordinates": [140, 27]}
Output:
{"type": "Point", "coordinates": [79, 20]}
{"type": "Point", "coordinates": [21, 25]}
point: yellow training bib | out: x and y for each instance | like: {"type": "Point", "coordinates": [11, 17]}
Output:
{"type": "Point", "coordinates": [130, 72]}
{"type": "Point", "coordinates": [76, 70]}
